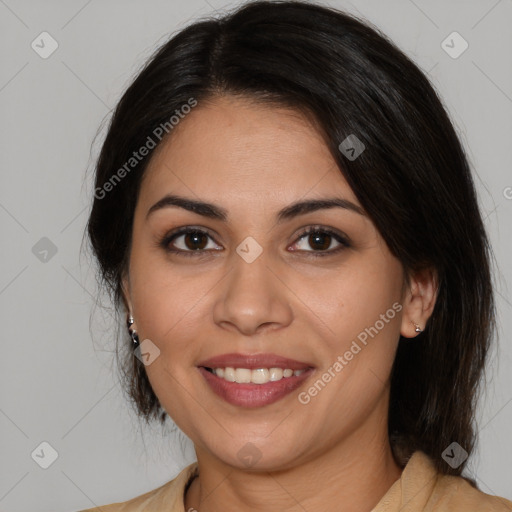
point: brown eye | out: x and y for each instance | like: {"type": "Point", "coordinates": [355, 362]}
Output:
{"type": "Point", "coordinates": [321, 240]}
{"type": "Point", "coordinates": [194, 241]}
{"type": "Point", "coordinates": [188, 242]}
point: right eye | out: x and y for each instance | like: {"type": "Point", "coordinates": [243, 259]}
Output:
{"type": "Point", "coordinates": [187, 241]}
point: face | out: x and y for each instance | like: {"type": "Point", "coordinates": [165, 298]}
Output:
{"type": "Point", "coordinates": [311, 290]}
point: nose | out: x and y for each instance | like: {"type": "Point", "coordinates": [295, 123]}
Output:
{"type": "Point", "coordinates": [252, 298]}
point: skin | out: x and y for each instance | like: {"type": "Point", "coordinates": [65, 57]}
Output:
{"type": "Point", "coordinates": [253, 160]}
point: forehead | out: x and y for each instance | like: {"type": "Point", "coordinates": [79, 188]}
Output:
{"type": "Point", "coordinates": [245, 151]}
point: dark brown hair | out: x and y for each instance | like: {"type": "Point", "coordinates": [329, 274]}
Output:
{"type": "Point", "coordinates": [413, 180]}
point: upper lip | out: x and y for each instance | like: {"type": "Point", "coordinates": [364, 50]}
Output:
{"type": "Point", "coordinates": [253, 361]}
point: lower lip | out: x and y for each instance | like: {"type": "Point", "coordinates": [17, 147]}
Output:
{"type": "Point", "coordinates": [253, 395]}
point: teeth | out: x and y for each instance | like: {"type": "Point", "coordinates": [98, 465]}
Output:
{"type": "Point", "coordinates": [256, 376]}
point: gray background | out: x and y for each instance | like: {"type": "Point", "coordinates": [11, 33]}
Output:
{"type": "Point", "coordinates": [58, 377]}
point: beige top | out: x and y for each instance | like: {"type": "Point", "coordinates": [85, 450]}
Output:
{"type": "Point", "coordinates": [419, 488]}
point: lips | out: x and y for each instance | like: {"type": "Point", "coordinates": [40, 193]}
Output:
{"type": "Point", "coordinates": [248, 394]}
{"type": "Point", "coordinates": [254, 361]}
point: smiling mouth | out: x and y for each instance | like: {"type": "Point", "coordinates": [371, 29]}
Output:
{"type": "Point", "coordinates": [248, 394]}
{"type": "Point", "coordinates": [255, 375]}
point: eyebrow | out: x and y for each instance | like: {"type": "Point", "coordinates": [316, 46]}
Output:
{"type": "Point", "coordinates": [215, 212]}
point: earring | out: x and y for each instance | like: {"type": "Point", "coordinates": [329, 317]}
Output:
{"type": "Point", "coordinates": [417, 328]}
{"type": "Point", "coordinates": [133, 332]}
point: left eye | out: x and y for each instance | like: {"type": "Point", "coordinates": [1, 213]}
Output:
{"type": "Point", "coordinates": [321, 241]}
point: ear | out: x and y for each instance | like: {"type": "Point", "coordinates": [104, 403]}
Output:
{"type": "Point", "coordinates": [419, 301]}
{"type": "Point", "coordinates": [125, 287]}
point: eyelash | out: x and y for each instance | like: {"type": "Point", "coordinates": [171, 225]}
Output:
{"type": "Point", "coordinates": [167, 239]}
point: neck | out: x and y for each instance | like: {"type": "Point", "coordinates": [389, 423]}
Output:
{"type": "Point", "coordinates": [356, 472]}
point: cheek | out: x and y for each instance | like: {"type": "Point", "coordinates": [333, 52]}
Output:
{"type": "Point", "coordinates": [346, 301]}
{"type": "Point", "coordinates": [360, 311]}
{"type": "Point", "coordinates": [170, 308]}
{"type": "Point", "coordinates": [167, 308]}
{"type": "Point", "coordinates": [164, 294]}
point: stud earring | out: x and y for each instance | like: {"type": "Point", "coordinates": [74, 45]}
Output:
{"type": "Point", "coordinates": [133, 332]}
{"type": "Point", "coordinates": [417, 328]}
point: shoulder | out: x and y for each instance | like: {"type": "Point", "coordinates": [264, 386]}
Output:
{"type": "Point", "coordinates": [453, 493]}
{"type": "Point", "coordinates": [422, 487]}
{"type": "Point", "coordinates": [166, 497]}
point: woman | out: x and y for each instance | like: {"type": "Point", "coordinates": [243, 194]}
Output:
{"type": "Point", "coordinates": [286, 217]}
